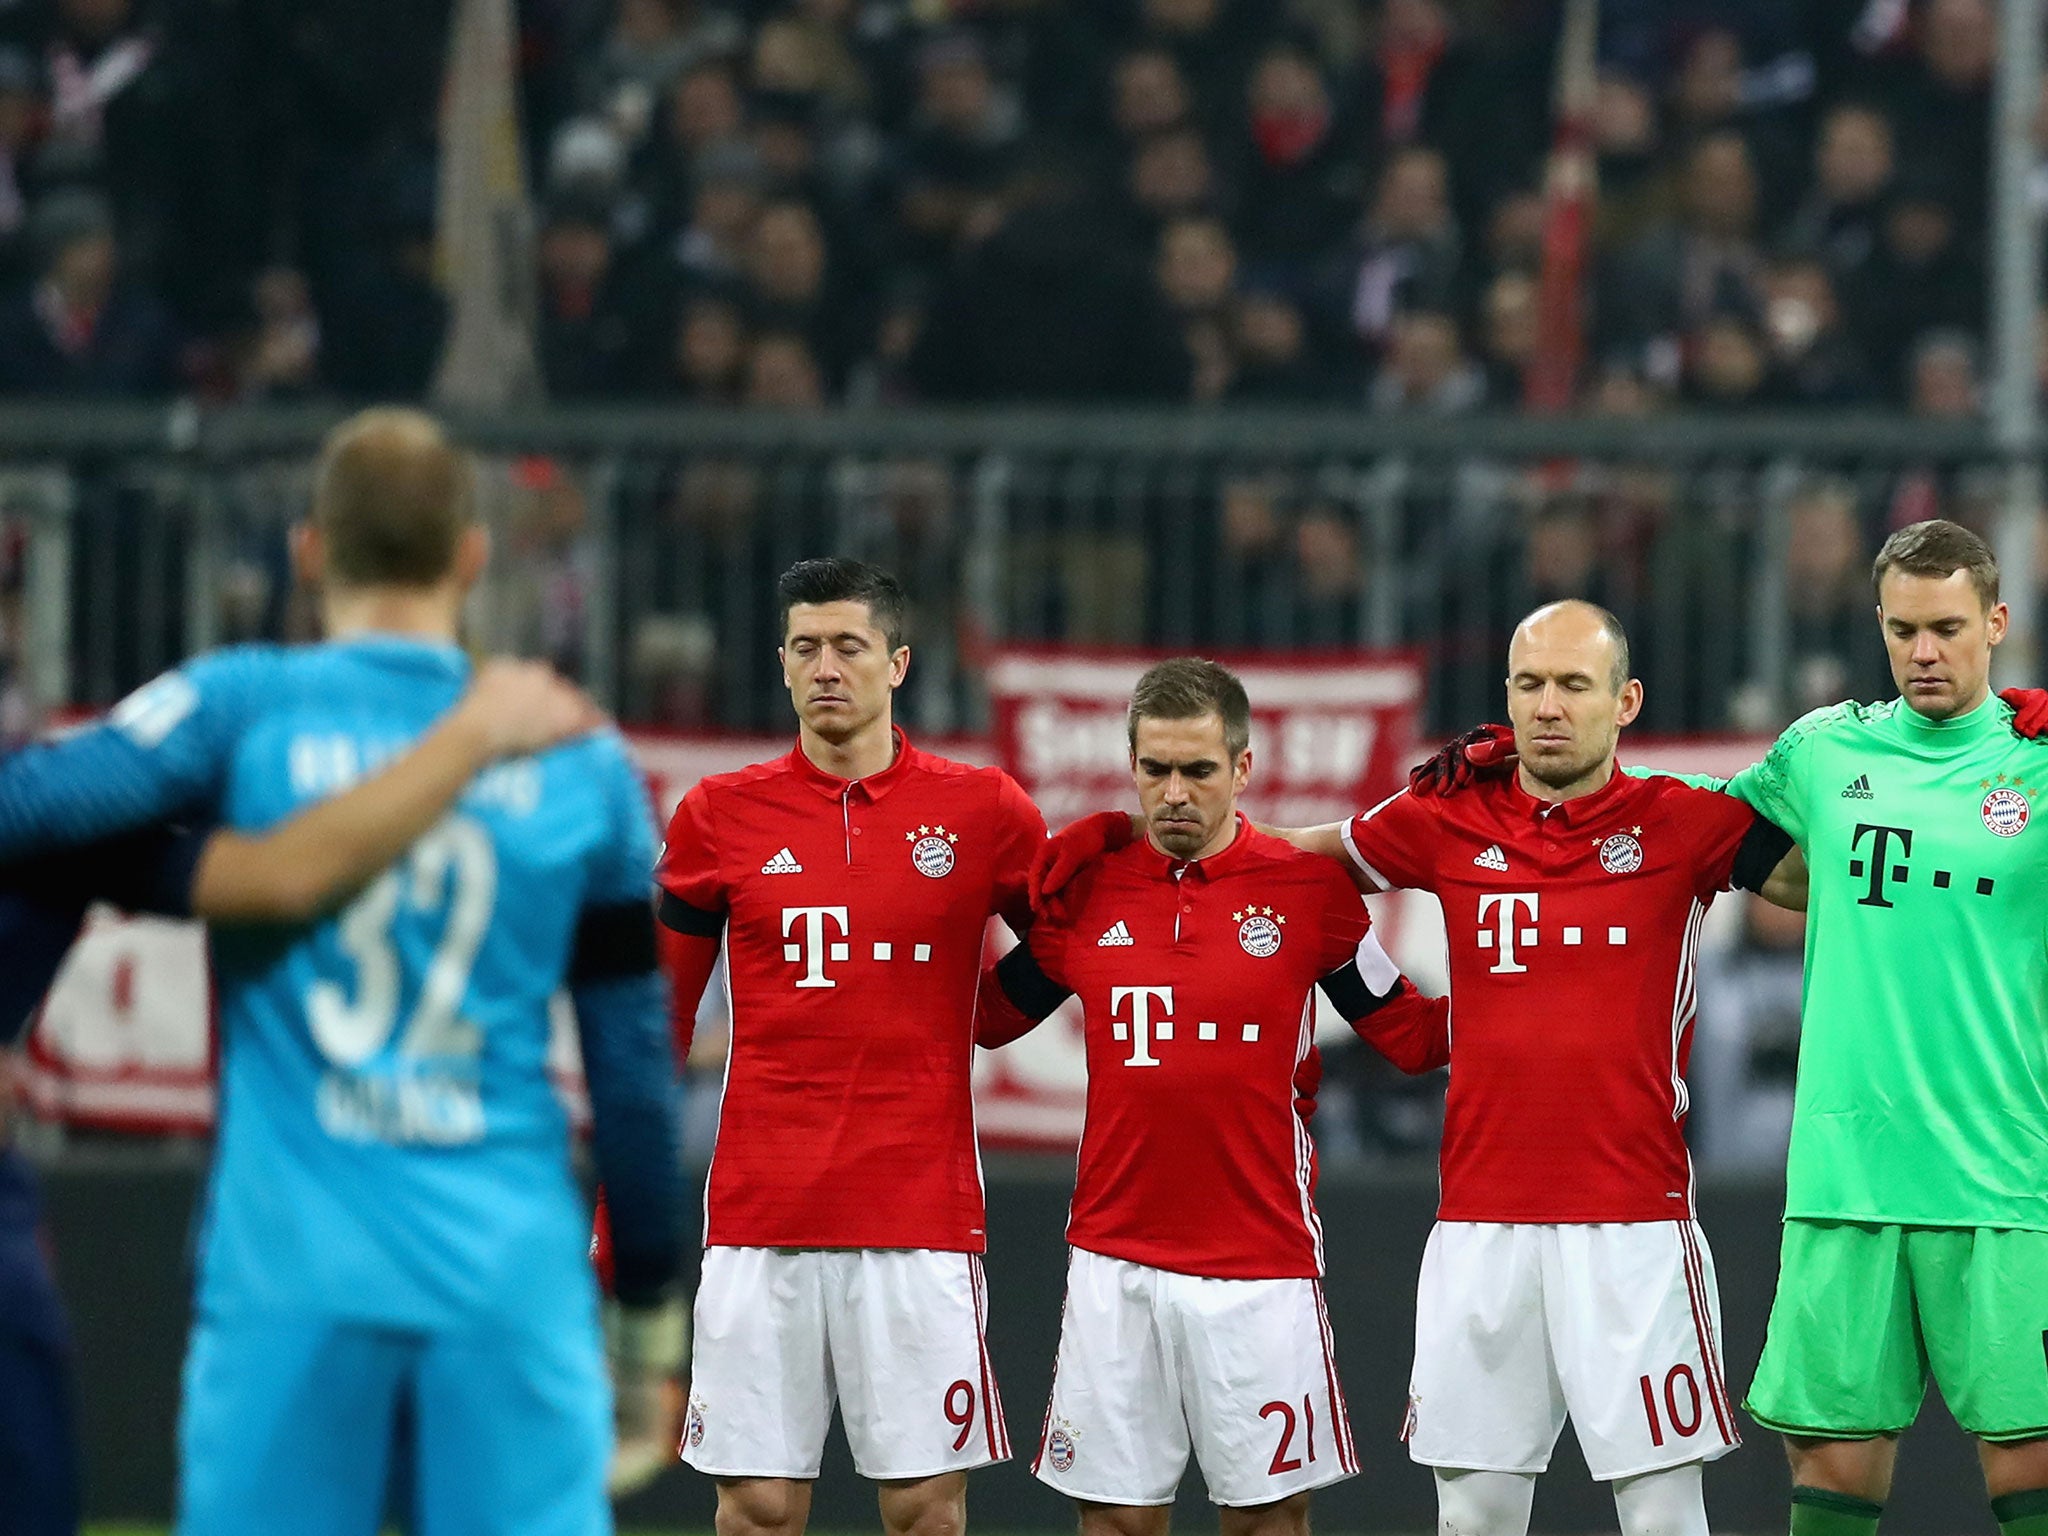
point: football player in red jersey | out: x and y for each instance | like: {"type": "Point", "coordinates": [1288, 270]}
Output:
{"type": "Point", "coordinates": [851, 882]}
{"type": "Point", "coordinates": [1566, 1275]}
{"type": "Point", "coordinates": [1194, 1316]}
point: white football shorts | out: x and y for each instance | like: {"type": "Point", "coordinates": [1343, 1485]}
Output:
{"type": "Point", "coordinates": [1616, 1324]}
{"type": "Point", "coordinates": [898, 1337]}
{"type": "Point", "coordinates": [1154, 1364]}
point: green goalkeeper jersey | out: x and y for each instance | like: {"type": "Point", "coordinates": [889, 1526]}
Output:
{"type": "Point", "coordinates": [1923, 1056]}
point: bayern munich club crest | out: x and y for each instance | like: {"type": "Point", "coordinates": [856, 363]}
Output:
{"type": "Point", "coordinates": [1258, 930]}
{"type": "Point", "coordinates": [2005, 812]}
{"type": "Point", "coordinates": [1621, 855]}
{"type": "Point", "coordinates": [693, 1425]}
{"type": "Point", "coordinates": [1059, 1446]}
{"type": "Point", "coordinates": [931, 851]}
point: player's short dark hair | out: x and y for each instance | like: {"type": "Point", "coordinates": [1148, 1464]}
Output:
{"type": "Point", "coordinates": [835, 579]}
{"type": "Point", "coordinates": [391, 498]}
{"type": "Point", "coordinates": [1938, 548]}
{"type": "Point", "coordinates": [1188, 687]}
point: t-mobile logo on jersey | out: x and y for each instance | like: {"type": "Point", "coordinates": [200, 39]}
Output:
{"type": "Point", "coordinates": [1144, 1026]}
{"type": "Point", "coordinates": [819, 944]}
{"type": "Point", "coordinates": [1501, 928]}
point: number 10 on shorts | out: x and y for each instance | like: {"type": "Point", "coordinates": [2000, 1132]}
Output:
{"type": "Point", "coordinates": [1683, 1407]}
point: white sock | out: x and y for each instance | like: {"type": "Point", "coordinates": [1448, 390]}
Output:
{"type": "Point", "coordinates": [1666, 1503]}
{"type": "Point", "coordinates": [1483, 1503]}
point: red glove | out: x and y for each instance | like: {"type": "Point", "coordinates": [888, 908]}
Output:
{"type": "Point", "coordinates": [1072, 848]}
{"type": "Point", "coordinates": [2029, 711]}
{"type": "Point", "coordinates": [1485, 749]}
{"type": "Point", "coordinates": [601, 1244]}
{"type": "Point", "coordinates": [1308, 1082]}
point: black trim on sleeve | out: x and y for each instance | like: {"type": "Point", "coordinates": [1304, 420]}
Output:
{"type": "Point", "coordinates": [683, 918]}
{"type": "Point", "coordinates": [1033, 993]}
{"type": "Point", "coordinates": [1764, 845]}
{"type": "Point", "coordinates": [1349, 994]}
{"type": "Point", "coordinates": [612, 941]}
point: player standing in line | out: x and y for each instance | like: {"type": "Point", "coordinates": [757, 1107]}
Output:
{"type": "Point", "coordinates": [1566, 1275]}
{"type": "Point", "coordinates": [852, 881]}
{"type": "Point", "coordinates": [1916, 1200]}
{"type": "Point", "coordinates": [391, 1212]}
{"type": "Point", "coordinates": [1194, 1314]}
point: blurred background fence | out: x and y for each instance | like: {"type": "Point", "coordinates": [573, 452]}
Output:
{"type": "Point", "coordinates": [638, 547]}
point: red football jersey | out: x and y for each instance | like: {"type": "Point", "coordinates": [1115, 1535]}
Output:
{"type": "Point", "coordinates": [1195, 980]}
{"type": "Point", "coordinates": [1573, 932]}
{"type": "Point", "coordinates": [854, 914]}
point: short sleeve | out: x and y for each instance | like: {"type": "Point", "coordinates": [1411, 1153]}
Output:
{"type": "Point", "coordinates": [1342, 921]}
{"type": "Point", "coordinates": [1776, 787]}
{"type": "Point", "coordinates": [625, 864]}
{"type": "Point", "coordinates": [1715, 826]}
{"type": "Point", "coordinates": [689, 872]}
{"type": "Point", "coordinates": [1020, 834]}
{"type": "Point", "coordinates": [1395, 843]}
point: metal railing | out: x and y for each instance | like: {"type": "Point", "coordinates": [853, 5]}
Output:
{"type": "Point", "coordinates": [639, 547]}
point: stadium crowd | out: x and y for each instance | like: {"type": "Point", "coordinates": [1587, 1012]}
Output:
{"type": "Point", "coordinates": [798, 202]}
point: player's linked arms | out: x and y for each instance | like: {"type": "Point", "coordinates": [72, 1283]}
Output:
{"type": "Point", "coordinates": [1786, 886]}
{"type": "Point", "coordinates": [313, 863]}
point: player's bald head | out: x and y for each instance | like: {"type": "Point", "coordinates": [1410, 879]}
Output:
{"type": "Point", "coordinates": [1577, 627]}
{"type": "Point", "coordinates": [391, 498]}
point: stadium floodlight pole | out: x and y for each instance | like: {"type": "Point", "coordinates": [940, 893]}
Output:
{"type": "Point", "coordinates": [2015, 414]}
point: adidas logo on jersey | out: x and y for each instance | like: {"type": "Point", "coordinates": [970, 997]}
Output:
{"type": "Point", "coordinates": [1118, 934]}
{"type": "Point", "coordinates": [784, 863]}
{"type": "Point", "coordinates": [1860, 790]}
{"type": "Point", "coordinates": [1493, 858]}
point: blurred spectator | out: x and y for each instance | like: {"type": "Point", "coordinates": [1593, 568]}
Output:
{"type": "Point", "coordinates": [79, 329]}
{"type": "Point", "coordinates": [1508, 336]}
{"type": "Point", "coordinates": [1273, 364]}
{"type": "Point", "coordinates": [790, 288]}
{"type": "Point", "coordinates": [1148, 94]}
{"type": "Point", "coordinates": [21, 120]}
{"type": "Point", "coordinates": [711, 246]}
{"type": "Point", "coordinates": [282, 358]}
{"type": "Point", "coordinates": [1725, 368]}
{"type": "Point", "coordinates": [1329, 578]}
{"type": "Point", "coordinates": [1423, 82]}
{"type": "Point", "coordinates": [1940, 99]}
{"type": "Point", "coordinates": [1297, 183]}
{"type": "Point", "coordinates": [649, 47]}
{"type": "Point", "coordinates": [1922, 277]}
{"type": "Point", "coordinates": [591, 331]}
{"type": "Point", "coordinates": [961, 146]}
{"type": "Point", "coordinates": [1840, 215]}
{"type": "Point", "coordinates": [1426, 369]}
{"type": "Point", "coordinates": [1746, 1043]}
{"type": "Point", "coordinates": [1708, 263]}
{"type": "Point", "coordinates": [782, 374]}
{"type": "Point", "coordinates": [542, 591]}
{"type": "Point", "coordinates": [107, 126]}
{"type": "Point", "coordinates": [1827, 593]}
{"type": "Point", "coordinates": [1812, 358]}
{"type": "Point", "coordinates": [1171, 177]}
{"type": "Point", "coordinates": [710, 352]}
{"type": "Point", "coordinates": [1197, 276]}
{"type": "Point", "coordinates": [1637, 190]}
{"type": "Point", "coordinates": [1406, 253]}
{"type": "Point", "coordinates": [1944, 376]}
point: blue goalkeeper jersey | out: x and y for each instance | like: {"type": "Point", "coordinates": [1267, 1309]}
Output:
{"type": "Point", "coordinates": [390, 1149]}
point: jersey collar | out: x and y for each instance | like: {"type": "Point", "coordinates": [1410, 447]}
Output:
{"type": "Point", "coordinates": [1985, 718]}
{"type": "Point", "coordinates": [874, 786]}
{"type": "Point", "coordinates": [1579, 810]}
{"type": "Point", "coordinates": [1214, 867]}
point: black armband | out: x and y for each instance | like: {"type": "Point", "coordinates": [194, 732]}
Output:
{"type": "Point", "coordinates": [613, 940]}
{"type": "Point", "coordinates": [1763, 847]}
{"type": "Point", "coordinates": [684, 918]}
{"type": "Point", "coordinates": [1349, 994]}
{"type": "Point", "coordinates": [1030, 991]}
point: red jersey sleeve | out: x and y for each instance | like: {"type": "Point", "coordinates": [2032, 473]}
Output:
{"type": "Point", "coordinates": [1396, 842]}
{"type": "Point", "coordinates": [1716, 824]}
{"type": "Point", "coordinates": [1343, 919]}
{"type": "Point", "coordinates": [689, 871]}
{"type": "Point", "coordinates": [1020, 834]}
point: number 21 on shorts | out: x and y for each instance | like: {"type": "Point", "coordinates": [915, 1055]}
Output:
{"type": "Point", "coordinates": [1283, 1458]}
